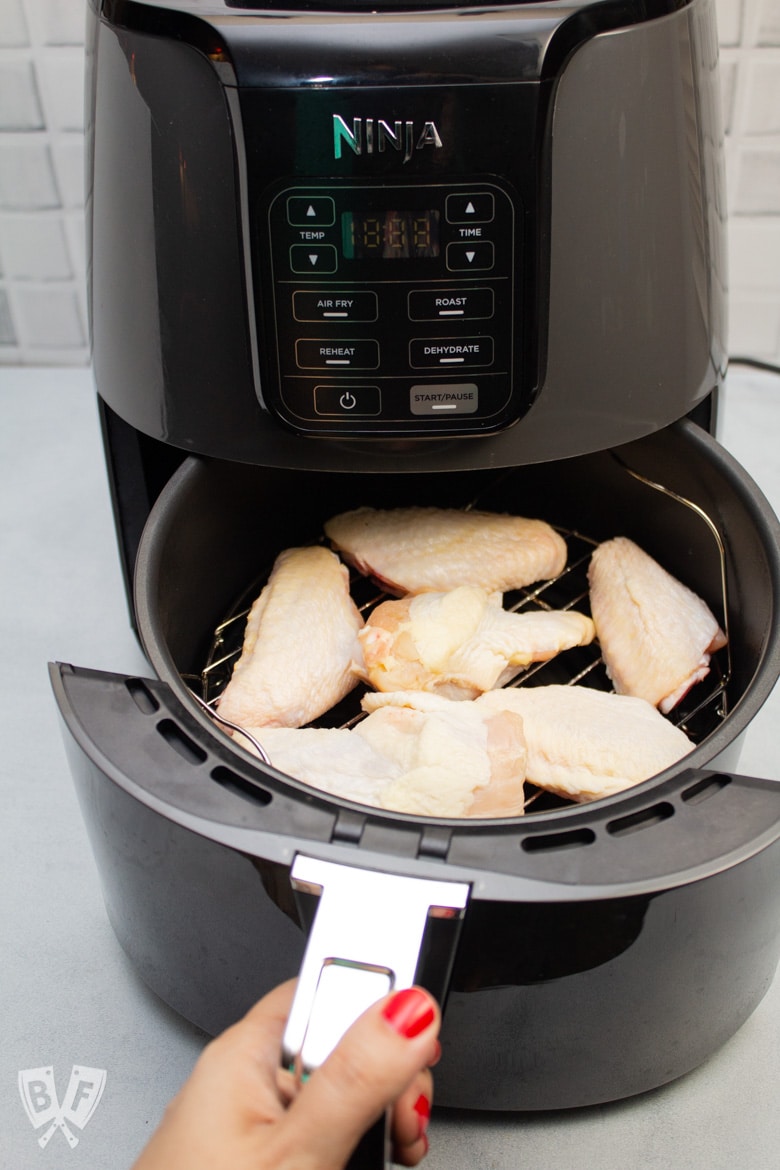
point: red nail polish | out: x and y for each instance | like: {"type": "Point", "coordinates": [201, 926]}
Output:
{"type": "Point", "coordinates": [409, 1012]}
{"type": "Point", "coordinates": [422, 1108]}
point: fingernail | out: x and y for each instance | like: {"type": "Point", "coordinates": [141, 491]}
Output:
{"type": "Point", "coordinates": [409, 1012]}
{"type": "Point", "coordinates": [422, 1108]}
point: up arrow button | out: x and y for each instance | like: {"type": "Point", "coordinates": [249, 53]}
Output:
{"type": "Point", "coordinates": [474, 207]}
{"type": "Point", "coordinates": [311, 211]}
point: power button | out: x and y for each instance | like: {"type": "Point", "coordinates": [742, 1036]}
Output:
{"type": "Point", "coordinates": [347, 401]}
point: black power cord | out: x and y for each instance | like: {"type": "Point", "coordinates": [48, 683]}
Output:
{"type": "Point", "coordinates": [755, 364]}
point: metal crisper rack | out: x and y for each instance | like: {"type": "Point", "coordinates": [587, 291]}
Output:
{"type": "Point", "coordinates": [699, 713]}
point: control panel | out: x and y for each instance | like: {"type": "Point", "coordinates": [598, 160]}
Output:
{"type": "Point", "coordinates": [394, 307]}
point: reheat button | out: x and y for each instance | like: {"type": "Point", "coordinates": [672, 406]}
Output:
{"type": "Point", "coordinates": [320, 353]}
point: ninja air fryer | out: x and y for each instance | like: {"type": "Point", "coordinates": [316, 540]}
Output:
{"type": "Point", "coordinates": [393, 254]}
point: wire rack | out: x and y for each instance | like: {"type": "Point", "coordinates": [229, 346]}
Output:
{"type": "Point", "coordinates": [699, 713]}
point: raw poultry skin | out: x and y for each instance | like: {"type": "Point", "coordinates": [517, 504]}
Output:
{"type": "Point", "coordinates": [585, 744]}
{"type": "Point", "coordinates": [461, 643]}
{"type": "Point", "coordinates": [300, 644]}
{"type": "Point", "coordinates": [656, 635]}
{"type": "Point", "coordinates": [417, 550]}
{"type": "Point", "coordinates": [437, 759]}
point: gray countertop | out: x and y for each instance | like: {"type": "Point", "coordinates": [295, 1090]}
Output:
{"type": "Point", "coordinates": [68, 996]}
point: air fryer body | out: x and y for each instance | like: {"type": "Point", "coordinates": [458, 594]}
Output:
{"type": "Point", "coordinates": [336, 252]}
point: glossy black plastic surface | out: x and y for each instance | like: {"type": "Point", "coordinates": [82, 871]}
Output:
{"type": "Point", "coordinates": [651, 914]}
{"type": "Point", "coordinates": [197, 114]}
{"type": "Point", "coordinates": [551, 975]}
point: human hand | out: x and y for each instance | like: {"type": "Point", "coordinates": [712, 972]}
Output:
{"type": "Point", "coordinates": [240, 1111]}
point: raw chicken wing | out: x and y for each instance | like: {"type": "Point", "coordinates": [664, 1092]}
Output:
{"type": "Point", "coordinates": [585, 744]}
{"type": "Point", "coordinates": [461, 643]}
{"type": "Point", "coordinates": [299, 646]}
{"type": "Point", "coordinates": [437, 759]}
{"type": "Point", "coordinates": [656, 634]}
{"type": "Point", "coordinates": [415, 550]}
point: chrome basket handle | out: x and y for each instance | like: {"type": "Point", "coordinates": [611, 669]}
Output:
{"type": "Point", "coordinates": [365, 941]}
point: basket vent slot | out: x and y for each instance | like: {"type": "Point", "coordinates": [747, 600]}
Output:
{"type": "Point", "coordinates": [704, 789]}
{"type": "Point", "coordinates": [240, 786]}
{"type": "Point", "coordinates": [349, 828]}
{"type": "Point", "coordinates": [549, 842]}
{"type": "Point", "coordinates": [644, 819]}
{"type": "Point", "coordinates": [143, 698]}
{"type": "Point", "coordinates": [435, 842]}
{"type": "Point", "coordinates": [181, 742]}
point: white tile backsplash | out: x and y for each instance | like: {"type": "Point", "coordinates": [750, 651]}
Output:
{"type": "Point", "coordinates": [49, 317]}
{"type": "Point", "coordinates": [61, 74]}
{"type": "Point", "coordinates": [20, 107]}
{"type": "Point", "coordinates": [68, 156]}
{"type": "Point", "coordinates": [13, 26]}
{"type": "Point", "coordinates": [768, 32]}
{"type": "Point", "coordinates": [26, 174]}
{"type": "Point", "coordinates": [35, 247]}
{"type": "Point", "coordinates": [730, 15]}
{"type": "Point", "coordinates": [57, 22]}
{"type": "Point", "coordinates": [761, 112]}
{"type": "Point", "coordinates": [42, 293]}
{"type": "Point", "coordinates": [757, 184]}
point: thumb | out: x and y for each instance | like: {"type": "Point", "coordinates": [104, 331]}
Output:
{"type": "Point", "coordinates": [375, 1061]}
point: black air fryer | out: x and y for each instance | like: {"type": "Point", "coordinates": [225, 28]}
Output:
{"type": "Point", "coordinates": [358, 254]}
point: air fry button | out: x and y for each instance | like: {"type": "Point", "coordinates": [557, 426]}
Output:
{"type": "Point", "coordinates": [335, 306]}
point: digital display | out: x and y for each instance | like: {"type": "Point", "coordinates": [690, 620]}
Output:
{"type": "Point", "coordinates": [390, 235]}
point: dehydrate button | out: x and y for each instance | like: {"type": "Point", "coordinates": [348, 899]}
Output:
{"type": "Point", "coordinates": [443, 352]}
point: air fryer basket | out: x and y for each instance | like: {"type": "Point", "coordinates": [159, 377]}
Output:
{"type": "Point", "coordinates": [650, 914]}
{"type": "Point", "coordinates": [668, 498]}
